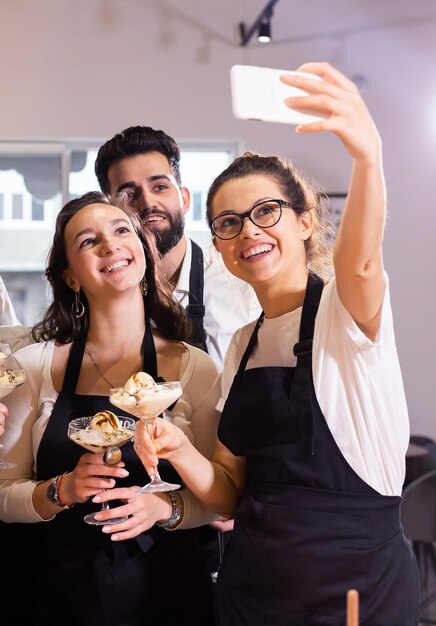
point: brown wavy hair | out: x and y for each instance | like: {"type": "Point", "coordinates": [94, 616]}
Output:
{"type": "Point", "coordinates": [58, 323]}
{"type": "Point", "coordinates": [302, 195]}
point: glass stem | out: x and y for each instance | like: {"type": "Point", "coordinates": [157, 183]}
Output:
{"type": "Point", "coordinates": [105, 505]}
{"type": "Point", "coordinates": [154, 478]}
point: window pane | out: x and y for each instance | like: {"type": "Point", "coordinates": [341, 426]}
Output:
{"type": "Point", "coordinates": [82, 178]}
{"type": "Point", "coordinates": [37, 210]}
{"type": "Point", "coordinates": [198, 169]}
{"type": "Point", "coordinates": [30, 185]}
{"type": "Point", "coordinates": [17, 206]}
{"type": "Point", "coordinates": [197, 206]}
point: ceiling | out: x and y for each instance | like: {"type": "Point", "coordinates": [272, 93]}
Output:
{"type": "Point", "coordinates": [297, 20]}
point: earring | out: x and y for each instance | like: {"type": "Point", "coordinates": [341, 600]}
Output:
{"type": "Point", "coordinates": [77, 308]}
{"type": "Point", "coordinates": [144, 286]}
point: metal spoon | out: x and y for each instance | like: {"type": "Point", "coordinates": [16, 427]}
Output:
{"type": "Point", "coordinates": [112, 456]}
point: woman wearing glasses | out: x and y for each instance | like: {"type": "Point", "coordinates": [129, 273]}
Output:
{"type": "Point", "coordinates": [314, 426]}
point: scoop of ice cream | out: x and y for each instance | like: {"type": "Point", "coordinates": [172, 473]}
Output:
{"type": "Point", "coordinates": [105, 421]}
{"type": "Point", "coordinates": [140, 380]}
{"type": "Point", "coordinates": [11, 377]}
{"type": "Point", "coordinates": [149, 400]}
{"type": "Point", "coordinates": [122, 399]}
{"type": "Point", "coordinates": [104, 430]}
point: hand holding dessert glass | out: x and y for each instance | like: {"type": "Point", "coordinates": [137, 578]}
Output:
{"type": "Point", "coordinates": [10, 379]}
{"type": "Point", "coordinates": [145, 399]}
{"type": "Point", "coordinates": [104, 433]}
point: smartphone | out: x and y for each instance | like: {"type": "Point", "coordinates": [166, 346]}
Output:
{"type": "Point", "coordinates": [259, 94]}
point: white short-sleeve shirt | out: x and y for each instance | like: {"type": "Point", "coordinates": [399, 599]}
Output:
{"type": "Point", "coordinates": [357, 381]}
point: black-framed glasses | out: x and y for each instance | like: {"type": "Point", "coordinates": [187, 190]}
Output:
{"type": "Point", "coordinates": [264, 214]}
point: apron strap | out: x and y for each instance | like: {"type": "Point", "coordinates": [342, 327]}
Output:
{"type": "Point", "coordinates": [196, 309]}
{"type": "Point", "coordinates": [307, 325]}
{"type": "Point", "coordinates": [250, 346]}
{"type": "Point", "coordinates": [149, 352]}
{"type": "Point", "coordinates": [300, 402]}
{"type": "Point", "coordinates": [310, 308]}
{"type": "Point", "coordinates": [74, 364]}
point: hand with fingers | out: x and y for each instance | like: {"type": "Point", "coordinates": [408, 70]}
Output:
{"type": "Point", "coordinates": [337, 99]}
{"type": "Point", "coordinates": [165, 442]}
{"type": "Point", "coordinates": [142, 510]}
{"type": "Point", "coordinates": [90, 476]}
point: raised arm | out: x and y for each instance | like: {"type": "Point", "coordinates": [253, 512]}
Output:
{"type": "Point", "coordinates": [357, 253]}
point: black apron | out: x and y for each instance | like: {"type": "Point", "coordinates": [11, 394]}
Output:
{"type": "Point", "coordinates": [308, 528]}
{"type": "Point", "coordinates": [82, 577]}
{"type": "Point", "coordinates": [196, 308]}
{"type": "Point", "coordinates": [208, 538]}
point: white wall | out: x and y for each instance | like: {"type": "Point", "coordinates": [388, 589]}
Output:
{"type": "Point", "coordinates": [88, 68]}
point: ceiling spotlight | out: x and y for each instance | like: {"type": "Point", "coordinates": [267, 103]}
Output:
{"type": "Point", "coordinates": [262, 26]}
{"type": "Point", "coordinates": [264, 34]}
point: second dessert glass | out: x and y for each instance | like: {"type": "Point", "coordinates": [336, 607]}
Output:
{"type": "Point", "coordinates": [148, 404]}
{"type": "Point", "coordinates": [100, 442]}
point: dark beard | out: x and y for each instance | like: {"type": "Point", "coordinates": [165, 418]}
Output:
{"type": "Point", "coordinates": [167, 238]}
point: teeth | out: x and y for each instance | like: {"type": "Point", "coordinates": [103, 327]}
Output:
{"type": "Point", "coordinates": [256, 250]}
{"type": "Point", "coordinates": [153, 218]}
{"type": "Point", "coordinates": [115, 266]}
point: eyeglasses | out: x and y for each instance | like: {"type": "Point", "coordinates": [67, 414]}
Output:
{"type": "Point", "coordinates": [264, 214]}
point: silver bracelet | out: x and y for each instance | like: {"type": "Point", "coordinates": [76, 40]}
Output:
{"type": "Point", "coordinates": [176, 514]}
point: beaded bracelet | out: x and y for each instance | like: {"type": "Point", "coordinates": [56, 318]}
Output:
{"type": "Point", "coordinates": [59, 481]}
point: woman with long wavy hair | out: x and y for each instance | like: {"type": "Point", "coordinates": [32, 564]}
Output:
{"type": "Point", "coordinates": [111, 315]}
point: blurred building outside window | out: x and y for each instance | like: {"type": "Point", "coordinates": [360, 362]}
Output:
{"type": "Point", "coordinates": [38, 177]}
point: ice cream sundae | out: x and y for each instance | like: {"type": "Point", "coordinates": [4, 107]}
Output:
{"type": "Point", "coordinates": [143, 397]}
{"type": "Point", "coordinates": [98, 433]}
{"type": "Point", "coordinates": [101, 431]}
{"type": "Point", "coordinates": [9, 380]}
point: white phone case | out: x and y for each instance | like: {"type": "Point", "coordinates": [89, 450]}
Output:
{"type": "Point", "coordinates": [259, 94]}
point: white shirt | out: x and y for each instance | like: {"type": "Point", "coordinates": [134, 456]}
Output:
{"type": "Point", "coordinates": [357, 381]}
{"type": "Point", "coordinates": [7, 311]}
{"type": "Point", "coordinates": [229, 302]}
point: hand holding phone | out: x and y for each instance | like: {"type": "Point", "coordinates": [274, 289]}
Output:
{"type": "Point", "coordinates": [259, 94]}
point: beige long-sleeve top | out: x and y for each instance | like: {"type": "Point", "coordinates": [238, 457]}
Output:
{"type": "Point", "coordinates": [30, 407]}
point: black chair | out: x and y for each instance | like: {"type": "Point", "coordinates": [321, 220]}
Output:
{"type": "Point", "coordinates": [417, 465]}
{"type": "Point", "coordinates": [418, 516]}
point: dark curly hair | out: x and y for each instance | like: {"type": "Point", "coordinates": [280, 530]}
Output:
{"type": "Point", "coordinates": [296, 190]}
{"type": "Point", "coordinates": [58, 323]}
{"type": "Point", "coordinates": [132, 141]}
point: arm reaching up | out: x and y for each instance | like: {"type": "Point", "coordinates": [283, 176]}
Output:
{"type": "Point", "coordinates": [357, 252]}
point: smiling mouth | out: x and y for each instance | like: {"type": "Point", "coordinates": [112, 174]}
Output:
{"type": "Point", "coordinates": [256, 251]}
{"type": "Point", "coordinates": [115, 266]}
{"type": "Point", "coordinates": [152, 218]}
